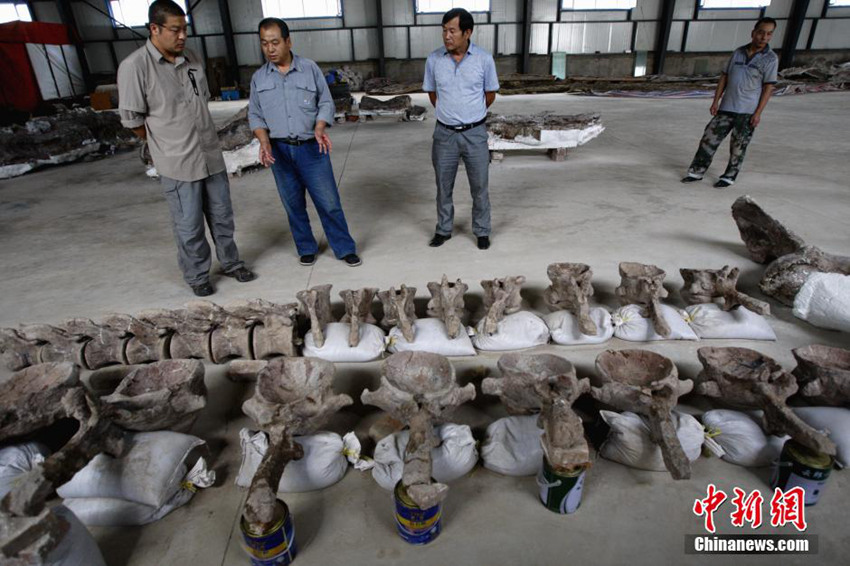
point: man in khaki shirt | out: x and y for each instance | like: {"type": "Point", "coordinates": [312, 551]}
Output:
{"type": "Point", "coordinates": [163, 96]}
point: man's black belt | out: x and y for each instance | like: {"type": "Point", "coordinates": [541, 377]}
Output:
{"type": "Point", "coordinates": [462, 127]}
{"type": "Point", "coordinates": [294, 141]}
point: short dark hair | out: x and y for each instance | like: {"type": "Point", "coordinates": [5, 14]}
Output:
{"type": "Point", "coordinates": [271, 22]}
{"type": "Point", "coordinates": [161, 9]}
{"type": "Point", "coordinates": [464, 18]}
{"type": "Point", "coordinates": [764, 20]}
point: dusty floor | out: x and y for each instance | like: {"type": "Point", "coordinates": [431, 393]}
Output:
{"type": "Point", "coordinates": [90, 238]}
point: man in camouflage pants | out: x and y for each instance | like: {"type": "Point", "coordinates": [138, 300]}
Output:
{"type": "Point", "coordinates": [745, 87]}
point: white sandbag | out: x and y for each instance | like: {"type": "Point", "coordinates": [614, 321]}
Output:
{"type": "Point", "coordinates": [709, 320]}
{"type": "Point", "coordinates": [630, 325]}
{"type": "Point", "coordinates": [824, 300]}
{"type": "Point", "coordinates": [742, 438]}
{"type": "Point", "coordinates": [513, 446]}
{"type": "Point", "coordinates": [564, 327]}
{"type": "Point", "coordinates": [835, 421]}
{"type": "Point", "coordinates": [453, 458]}
{"type": "Point", "coordinates": [149, 473]}
{"type": "Point", "coordinates": [18, 460]}
{"type": "Point", "coordinates": [430, 335]}
{"type": "Point", "coordinates": [629, 442]}
{"type": "Point", "coordinates": [110, 512]}
{"type": "Point", "coordinates": [324, 462]}
{"type": "Point", "coordinates": [336, 349]}
{"type": "Point", "coordinates": [77, 547]}
{"type": "Point", "coordinates": [515, 332]}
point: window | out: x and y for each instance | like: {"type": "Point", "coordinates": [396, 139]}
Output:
{"type": "Point", "coordinates": [732, 4]}
{"type": "Point", "coordinates": [14, 12]}
{"type": "Point", "coordinates": [288, 9]}
{"type": "Point", "coordinates": [134, 13]}
{"type": "Point", "coordinates": [839, 3]}
{"type": "Point", "coordinates": [443, 6]}
{"type": "Point", "coordinates": [598, 4]}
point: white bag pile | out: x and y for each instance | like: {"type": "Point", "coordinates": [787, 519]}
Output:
{"type": "Point", "coordinates": [515, 332]}
{"type": "Point", "coordinates": [336, 349]}
{"type": "Point", "coordinates": [629, 441]}
{"type": "Point", "coordinates": [565, 330]}
{"type": "Point", "coordinates": [513, 446]}
{"type": "Point", "coordinates": [710, 321]}
{"type": "Point", "coordinates": [629, 324]}
{"type": "Point", "coordinates": [742, 439]}
{"type": "Point", "coordinates": [430, 335]}
{"type": "Point", "coordinates": [824, 300]}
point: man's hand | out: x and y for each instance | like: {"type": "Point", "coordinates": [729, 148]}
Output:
{"type": "Point", "coordinates": [714, 108]}
{"type": "Point", "coordinates": [755, 119]}
{"type": "Point", "coordinates": [140, 132]}
{"type": "Point", "coordinates": [266, 156]}
{"type": "Point", "coordinates": [325, 145]}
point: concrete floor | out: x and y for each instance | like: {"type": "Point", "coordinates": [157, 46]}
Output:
{"type": "Point", "coordinates": [90, 238]}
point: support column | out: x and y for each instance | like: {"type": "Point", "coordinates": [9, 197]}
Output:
{"type": "Point", "coordinates": [382, 65]}
{"type": "Point", "coordinates": [665, 23]}
{"type": "Point", "coordinates": [525, 67]}
{"type": "Point", "coordinates": [792, 33]}
{"type": "Point", "coordinates": [227, 28]}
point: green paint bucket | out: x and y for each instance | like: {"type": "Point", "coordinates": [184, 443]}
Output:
{"type": "Point", "coordinates": [799, 466]}
{"type": "Point", "coordinates": [560, 492]}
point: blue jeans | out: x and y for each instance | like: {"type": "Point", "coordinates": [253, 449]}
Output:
{"type": "Point", "coordinates": [302, 167]}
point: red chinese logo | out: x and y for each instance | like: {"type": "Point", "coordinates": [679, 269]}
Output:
{"type": "Point", "coordinates": [785, 507]}
{"type": "Point", "coordinates": [709, 505]}
{"type": "Point", "coordinates": [788, 507]}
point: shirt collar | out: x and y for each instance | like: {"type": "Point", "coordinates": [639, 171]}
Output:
{"type": "Point", "coordinates": [295, 66]}
{"type": "Point", "coordinates": [469, 50]}
{"type": "Point", "coordinates": [158, 57]}
{"type": "Point", "coordinates": [744, 48]}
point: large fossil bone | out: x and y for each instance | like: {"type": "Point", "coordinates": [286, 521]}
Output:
{"type": "Point", "coordinates": [358, 310]}
{"type": "Point", "coordinates": [55, 344]}
{"type": "Point", "coordinates": [399, 310]}
{"type": "Point", "coordinates": [548, 384]}
{"type": "Point", "coordinates": [37, 397]}
{"type": "Point", "coordinates": [571, 289]}
{"type": "Point", "coordinates": [643, 284]}
{"type": "Point", "coordinates": [144, 343]}
{"type": "Point", "coordinates": [746, 377]}
{"type": "Point", "coordinates": [317, 302]}
{"type": "Point", "coordinates": [16, 351]}
{"type": "Point", "coordinates": [792, 260]}
{"type": "Point", "coordinates": [501, 297]}
{"type": "Point", "coordinates": [419, 388]}
{"type": "Point", "coordinates": [159, 396]}
{"type": "Point", "coordinates": [185, 331]}
{"type": "Point", "coordinates": [823, 374]}
{"type": "Point", "coordinates": [703, 285]}
{"type": "Point", "coordinates": [293, 396]}
{"type": "Point", "coordinates": [447, 303]}
{"type": "Point", "coordinates": [273, 330]}
{"type": "Point", "coordinates": [101, 345]}
{"type": "Point", "coordinates": [648, 384]}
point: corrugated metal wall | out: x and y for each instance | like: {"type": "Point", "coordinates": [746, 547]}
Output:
{"type": "Point", "coordinates": [354, 36]}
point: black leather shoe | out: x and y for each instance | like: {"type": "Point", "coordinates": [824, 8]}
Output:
{"type": "Point", "coordinates": [309, 259]}
{"type": "Point", "coordinates": [352, 260]}
{"type": "Point", "coordinates": [243, 274]}
{"type": "Point", "coordinates": [483, 242]}
{"type": "Point", "coordinates": [438, 240]}
{"type": "Point", "coordinates": [690, 179]}
{"type": "Point", "coordinates": [203, 290]}
{"type": "Point", "coordinates": [722, 184]}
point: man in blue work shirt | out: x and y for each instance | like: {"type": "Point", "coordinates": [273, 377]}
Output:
{"type": "Point", "coordinates": [745, 85]}
{"type": "Point", "coordinates": [461, 81]}
{"type": "Point", "coordinates": [289, 109]}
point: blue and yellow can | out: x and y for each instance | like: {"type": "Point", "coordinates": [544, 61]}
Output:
{"type": "Point", "coordinates": [799, 466]}
{"type": "Point", "coordinates": [415, 525]}
{"type": "Point", "coordinates": [273, 546]}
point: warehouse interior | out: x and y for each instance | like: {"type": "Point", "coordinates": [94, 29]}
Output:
{"type": "Point", "coordinates": [91, 237]}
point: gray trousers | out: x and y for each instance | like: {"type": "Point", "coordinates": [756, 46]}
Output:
{"type": "Point", "coordinates": [190, 203]}
{"type": "Point", "coordinates": [448, 149]}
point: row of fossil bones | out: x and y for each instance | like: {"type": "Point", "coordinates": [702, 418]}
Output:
{"type": "Point", "coordinates": [258, 329]}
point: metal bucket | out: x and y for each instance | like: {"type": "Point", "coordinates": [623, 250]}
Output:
{"type": "Point", "coordinates": [415, 525]}
{"type": "Point", "coordinates": [560, 492]}
{"type": "Point", "coordinates": [274, 546]}
{"type": "Point", "coordinates": [799, 466]}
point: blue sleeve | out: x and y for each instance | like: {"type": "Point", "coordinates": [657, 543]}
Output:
{"type": "Point", "coordinates": [429, 84]}
{"type": "Point", "coordinates": [327, 109]}
{"type": "Point", "coordinates": [491, 78]}
{"type": "Point", "coordinates": [255, 112]}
